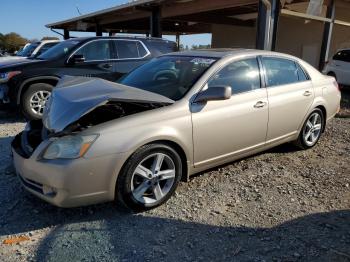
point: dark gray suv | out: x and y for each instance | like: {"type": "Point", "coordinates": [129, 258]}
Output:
{"type": "Point", "coordinates": [29, 83]}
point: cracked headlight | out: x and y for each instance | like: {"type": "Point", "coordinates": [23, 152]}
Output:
{"type": "Point", "coordinates": [69, 147]}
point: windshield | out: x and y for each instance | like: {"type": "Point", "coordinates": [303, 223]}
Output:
{"type": "Point", "coordinates": [170, 76]}
{"type": "Point", "coordinates": [28, 50]}
{"type": "Point", "coordinates": [58, 50]}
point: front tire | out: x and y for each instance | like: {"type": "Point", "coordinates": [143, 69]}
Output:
{"type": "Point", "coordinates": [149, 178]}
{"type": "Point", "coordinates": [34, 100]}
{"type": "Point", "coordinates": [311, 130]}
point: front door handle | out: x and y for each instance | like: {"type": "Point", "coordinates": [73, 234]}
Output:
{"type": "Point", "coordinates": [307, 93]}
{"type": "Point", "coordinates": [260, 104]}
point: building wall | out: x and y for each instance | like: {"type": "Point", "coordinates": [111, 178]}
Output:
{"type": "Point", "coordinates": [227, 36]}
{"type": "Point", "coordinates": [297, 37]}
{"type": "Point", "coordinates": [341, 34]}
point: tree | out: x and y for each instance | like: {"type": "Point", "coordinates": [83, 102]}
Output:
{"type": "Point", "coordinates": [12, 42]}
{"type": "Point", "coordinates": [2, 42]}
{"type": "Point", "coordinates": [50, 38]}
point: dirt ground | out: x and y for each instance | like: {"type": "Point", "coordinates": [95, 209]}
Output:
{"type": "Point", "coordinates": [280, 205]}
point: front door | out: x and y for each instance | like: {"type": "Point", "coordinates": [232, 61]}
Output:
{"type": "Point", "coordinates": [98, 60]}
{"type": "Point", "coordinates": [222, 129]}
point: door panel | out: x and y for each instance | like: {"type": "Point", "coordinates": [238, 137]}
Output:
{"type": "Point", "coordinates": [290, 95]}
{"type": "Point", "coordinates": [223, 128]}
{"type": "Point", "coordinates": [131, 54]}
{"type": "Point", "coordinates": [98, 60]}
{"type": "Point", "coordinates": [287, 108]}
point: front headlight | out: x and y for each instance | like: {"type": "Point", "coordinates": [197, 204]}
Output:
{"type": "Point", "coordinates": [69, 147]}
{"type": "Point", "coordinates": [5, 77]}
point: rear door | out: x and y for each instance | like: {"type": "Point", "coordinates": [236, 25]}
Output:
{"type": "Point", "coordinates": [130, 55]}
{"type": "Point", "coordinates": [98, 62]}
{"type": "Point", "coordinates": [290, 93]}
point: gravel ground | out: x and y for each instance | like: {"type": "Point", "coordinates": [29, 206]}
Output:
{"type": "Point", "coordinates": [281, 205]}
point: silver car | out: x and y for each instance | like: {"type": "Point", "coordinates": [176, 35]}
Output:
{"type": "Point", "coordinates": [177, 115]}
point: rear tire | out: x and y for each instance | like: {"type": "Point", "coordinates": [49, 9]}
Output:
{"type": "Point", "coordinates": [311, 130]}
{"type": "Point", "coordinates": [143, 183]}
{"type": "Point", "coordinates": [34, 99]}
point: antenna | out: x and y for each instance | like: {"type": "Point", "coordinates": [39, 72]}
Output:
{"type": "Point", "coordinates": [77, 7]}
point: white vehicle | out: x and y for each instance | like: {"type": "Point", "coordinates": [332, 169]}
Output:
{"type": "Point", "coordinates": [33, 50]}
{"type": "Point", "coordinates": [339, 67]}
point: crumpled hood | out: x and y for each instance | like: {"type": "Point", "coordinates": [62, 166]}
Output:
{"type": "Point", "coordinates": [74, 97]}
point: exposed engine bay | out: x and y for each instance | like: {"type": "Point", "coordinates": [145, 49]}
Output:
{"type": "Point", "coordinates": [110, 111]}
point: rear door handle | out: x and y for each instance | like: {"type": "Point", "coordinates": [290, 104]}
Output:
{"type": "Point", "coordinates": [107, 66]}
{"type": "Point", "coordinates": [260, 104]}
{"type": "Point", "coordinates": [307, 93]}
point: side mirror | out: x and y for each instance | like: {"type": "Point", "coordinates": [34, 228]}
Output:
{"type": "Point", "coordinates": [76, 59]}
{"type": "Point", "coordinates": [215, 93]}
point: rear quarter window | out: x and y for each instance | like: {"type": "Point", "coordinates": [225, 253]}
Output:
{"type": "Point", "coordinates": [281, 71]}
{"type": "Point", "coordinates": [162, 47]}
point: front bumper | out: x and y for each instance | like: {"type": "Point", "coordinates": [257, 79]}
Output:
{"type": "Point", "coordinates": [67, 183]}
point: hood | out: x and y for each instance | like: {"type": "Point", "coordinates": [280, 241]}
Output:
{"type": "Point", "coordinates": [14, 61]}
{"type": "Point", "coordinates": [74, 97]}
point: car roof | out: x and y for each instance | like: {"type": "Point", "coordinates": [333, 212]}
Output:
{"type": "Point", "coordinates": [141, 38]}
{"type": "Point", "coordinates": [224, 52]}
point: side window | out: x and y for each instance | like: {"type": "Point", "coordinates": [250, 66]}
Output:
{"type": "Point", "coordinates": [241, 76]}
{"type": "Point", "coordinates": [96, 50]}
{"type": "Point", "coordinates": [280, 71]}
{"type": "Point", "coordinates": [338, 56]}
{"type": "Point", "coordinates": [46, 47]}
{"type": "Point", "coordinates": [127, 49]}
{"type": "Point", "coordinates": [342, 56]}
{"type": "Point", "coordinates": [301, 74]}
{"type": "Point", "coordinates": [141, 49]}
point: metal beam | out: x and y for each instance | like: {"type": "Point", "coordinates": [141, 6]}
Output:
{"type": "Point", "coordinates": [261, 26]}
{"type": "Point", "coordinates": [65, 34]}
{"type": "Point", "coordinates": [327, 35]}
{"type": "Point", "coordinates": [306, 16]}
{"type": "Point", "coordinates": [155, 22]}
{"type": "Point", "coordinates": [267, 22]}
{"type": "Point", "coordinates": [275, 12]}
{"type": "Point", "coordinates": [98, 30]}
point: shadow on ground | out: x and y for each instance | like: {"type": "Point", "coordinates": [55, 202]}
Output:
{"type": "Point", "coordinates": [108, 233]}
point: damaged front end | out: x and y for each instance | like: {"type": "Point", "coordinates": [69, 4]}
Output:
{"type": "Point", "coordinates": [79, 103]}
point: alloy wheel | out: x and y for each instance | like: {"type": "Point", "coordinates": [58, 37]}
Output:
{"type": "Point", "coordinates": [38, 101]}
{"type": "Point", "coordinates": [312, 130]}
{"type": "Point", "coordinates": [153, 178]}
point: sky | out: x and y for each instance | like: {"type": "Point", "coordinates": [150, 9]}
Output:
{"type": "Point", "coordinates": [29, 17]}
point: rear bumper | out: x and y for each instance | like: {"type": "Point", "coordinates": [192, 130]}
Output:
{"type": "Point", "coordinates": [67, 183]}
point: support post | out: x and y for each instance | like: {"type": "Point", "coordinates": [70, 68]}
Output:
{"type": "Point", "coordinates": [98, 30]}
{"type": "Point", "coordinates": [156, 27]}
{"type": "Point", "coordinates": [276, 8]}
{"type": "Point", "coordinates": [110, 33]}
{"type": "Point", "coordinates": [178, 40]}
{"type": "Point", "coordinates": [327, 34]}
{"type": "Point", "coordinates": [65, 34]}
{"type": "Point", "coordinates": [267, 22]}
